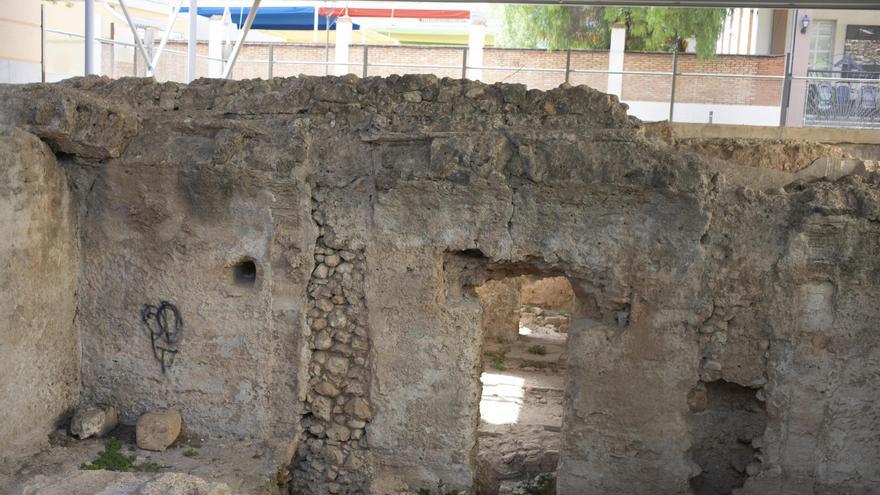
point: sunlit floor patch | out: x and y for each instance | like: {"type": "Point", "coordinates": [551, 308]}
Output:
{"type": "Point", "coordinates": [525, 331]}
{"type": "Point", "coordinates": [502, 398]}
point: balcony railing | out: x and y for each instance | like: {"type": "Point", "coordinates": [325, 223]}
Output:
{"type": "Point", "coordinates": [842, 99]}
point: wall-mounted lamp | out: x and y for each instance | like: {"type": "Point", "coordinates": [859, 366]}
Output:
{"type": "Point", "coordinates": [805, 22]}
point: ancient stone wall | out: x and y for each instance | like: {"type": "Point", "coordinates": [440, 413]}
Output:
{"type": "Point", "coordinates": [551, 293]}
{"type": "Point", "coordinates": [39, 338]}
{"type": "Point", "coordinates": [707, 294]}
{"type": "Point", "coordinates": [500, 300]}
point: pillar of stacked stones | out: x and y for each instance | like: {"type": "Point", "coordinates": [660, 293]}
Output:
{"type": "Point", "coordinates": [332, 456]}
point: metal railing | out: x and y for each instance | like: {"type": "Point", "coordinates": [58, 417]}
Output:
{"type": "Point", "coordinates": [842, 99]}
{"type": "Point", "coordinates": [677, 84]}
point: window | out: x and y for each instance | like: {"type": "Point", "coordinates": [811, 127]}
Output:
{"type": "Point", "coordinates": [822, 45]}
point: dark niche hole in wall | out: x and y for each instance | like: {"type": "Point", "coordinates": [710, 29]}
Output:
{"type": "Point", "coordinates": [244, 273]}
{"type": "Point", "coordinates": [725, 420]}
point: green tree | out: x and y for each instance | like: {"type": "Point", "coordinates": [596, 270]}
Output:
{"type": "Point", "coordinates": [649, 28]}
{"type": "Point", "coordinates": [660, 28]}
{"type": "Point", "coordinates": [555, 27]}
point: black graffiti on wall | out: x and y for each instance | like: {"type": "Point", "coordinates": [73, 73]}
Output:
{"type": "Point", "coordinates": [165, 326]}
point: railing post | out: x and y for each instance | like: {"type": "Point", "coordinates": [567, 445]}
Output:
{"type": "Point", "coordinates": [112, 50]}
{"type": "Point", "coordinates": [464, 63]}
{"type": "Point", "coordinates": [366, 60]}
{"type": "Point", "coordinates": [43, 44]}
{"type": "Point", "coordinates": [786, 91]}
{"type": "Point", "coordinates": [192, 40]}
{"type": "Point", "coordinates": [567, 64]}
{"type": "Point", "coordinates": [271, 59]}
{"type": "Point", "coordinates": [327, 46]}
{"type": "Point", "coordinates": [149, 43]}
{"type": "Point", "coordinates": [89, 31]}
{"type": "Point", "coordinates": [674, 74]}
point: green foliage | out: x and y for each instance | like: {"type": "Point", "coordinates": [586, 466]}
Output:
{"type": "Point", "coordinates": [148, 467]}
{"type": "Point", "coordinates": [558, 27]}
{"type": "Point", "coordinates": [497, 358]}
{"type": "Point", "coordinates": [659, 28]}
{"type": "Point", "coordinates": [190, 452]}
{"type": "Point", "coordinates": [112, 459]}
{"type": "Point", "coordinates": [537, 349]}
{"type": "Point", "coordinates": [555, 27]}
{"type": "Point", "coordinates": [543, 484]}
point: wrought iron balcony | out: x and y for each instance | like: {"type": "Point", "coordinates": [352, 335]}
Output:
{"type": "Point", "coordinates": [842, 99]}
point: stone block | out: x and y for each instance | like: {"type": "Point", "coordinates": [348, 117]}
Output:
{"type": "Point", "coordinates": [157, 430]}
{"type": "Point", "coordinates": [93, 421]}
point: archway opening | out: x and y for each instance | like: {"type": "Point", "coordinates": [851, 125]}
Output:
{"type": "Point", "coordinates": [525, 326]}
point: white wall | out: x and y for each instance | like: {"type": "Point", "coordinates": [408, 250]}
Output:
{"type": "Point", "coordinates": [699, 113]}
{"type": "Point", "coordinates": [764, 37]}
{"type": "Point", "coordinates": [20, 41]}
{"type": "Point", "coordinates": [746, 31]}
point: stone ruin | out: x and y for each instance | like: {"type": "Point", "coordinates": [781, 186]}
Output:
{"type": "Point", "coordinates": [324, 241]}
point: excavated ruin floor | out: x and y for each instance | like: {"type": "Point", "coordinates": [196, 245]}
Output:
{"type": "Point", "coordinates": [521, 404]}
{"type": "Point", "coordinates": [239, 464]}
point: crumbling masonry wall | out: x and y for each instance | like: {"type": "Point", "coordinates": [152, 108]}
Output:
{"type": "Point", "coordinates": [372, 209]}
{"type": "Point", "coordinates": [39, 341]}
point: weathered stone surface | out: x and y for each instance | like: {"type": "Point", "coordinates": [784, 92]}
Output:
{"type": "Point", "coordinates": [157, 430]}
{"type": "Point", "coordinates": [790, 155]}
{"type": "Point", "coordinates": [359, 408]}
{"type": "Point", "coordinates": [94, 421]}
{"type": "Point", "coordinates": [501, 302]}
{"type": "Point", "coordinates": [548, 293]}
{"type": "Point", "coordinates": [114, 483]}
{"type": "Point", "coordinates": [686, 270]}
{"type": "Point", "coordinates": [39, 339]}
{"type": "Point", "coordinates": [70, 120]}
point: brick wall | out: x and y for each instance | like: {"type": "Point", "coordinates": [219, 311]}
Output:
{"type": "Point", "coordinates": [383, 59]}
{"type": "Point", "coordinates": [704, 88]}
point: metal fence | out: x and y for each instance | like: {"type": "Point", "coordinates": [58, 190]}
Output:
{"type": "Point", "coordinates": [842, 99]}
{"type": "Point", "coordinates": [675, 94]}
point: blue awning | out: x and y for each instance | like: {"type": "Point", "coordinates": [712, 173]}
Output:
{"type": "Point", "coordinates": [273, 18]}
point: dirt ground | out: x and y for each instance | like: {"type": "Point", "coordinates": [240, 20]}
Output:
{"type": "Point", "coordinates": [521, 405]}
{"type": "Point", "coordinates": [236, 462]}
